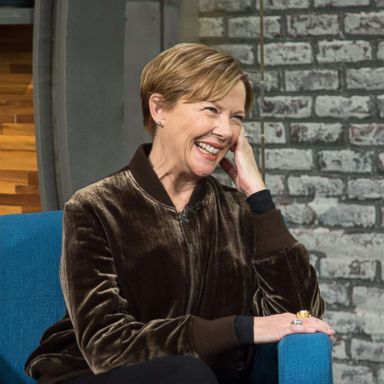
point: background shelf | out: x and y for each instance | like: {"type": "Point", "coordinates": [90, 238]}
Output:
{"type": "Point", "coordinates": [15, 15]}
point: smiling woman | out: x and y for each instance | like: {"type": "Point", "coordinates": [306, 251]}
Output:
{"type": "Point", "coordinates": [169, 276]}
{"type": "Point", "coordinates": [200, 105]}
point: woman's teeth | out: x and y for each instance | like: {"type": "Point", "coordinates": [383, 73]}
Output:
{"type": "Point", "coordinates": [208, 148]}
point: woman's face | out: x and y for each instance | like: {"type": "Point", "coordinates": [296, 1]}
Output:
{"type": "Point", "coordinates": [198, 135]}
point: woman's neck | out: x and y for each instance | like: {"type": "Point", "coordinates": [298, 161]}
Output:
{"type": "Point", "coordinates": [177, 184]}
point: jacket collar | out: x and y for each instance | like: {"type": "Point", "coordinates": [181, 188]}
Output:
{"type": "Point", "coordinates": [147, 178]}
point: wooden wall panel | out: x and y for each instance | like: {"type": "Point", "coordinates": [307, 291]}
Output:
{"type": "Point", "coordinates": [19, 189]}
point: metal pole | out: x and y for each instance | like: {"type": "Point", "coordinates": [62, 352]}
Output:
{"type": "Point", "coordinates": [262, 88]}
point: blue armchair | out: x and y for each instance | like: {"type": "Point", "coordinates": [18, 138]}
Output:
{"type": "Point", "coordinates": [31, 300]}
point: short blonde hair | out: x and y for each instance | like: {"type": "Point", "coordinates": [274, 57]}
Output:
{"type": "Point", "coordinates": [193, 71]}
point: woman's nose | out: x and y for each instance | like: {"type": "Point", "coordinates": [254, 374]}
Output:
{"type": "Point", "coordinates": [223, 128]}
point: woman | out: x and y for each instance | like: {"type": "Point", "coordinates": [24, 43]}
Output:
{"type": "Point", "coordinates": [166, 273]}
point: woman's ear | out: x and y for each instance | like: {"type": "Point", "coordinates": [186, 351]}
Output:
{"type": "Point", "coordinates": [156, 107]}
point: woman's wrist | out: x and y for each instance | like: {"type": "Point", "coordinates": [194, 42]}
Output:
{"type": "Point", "coordinates": [255, 185]}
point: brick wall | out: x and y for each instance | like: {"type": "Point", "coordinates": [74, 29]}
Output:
{"type": "Point", "coordinates": [324, 111]}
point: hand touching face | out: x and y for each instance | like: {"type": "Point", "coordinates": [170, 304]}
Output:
{"type": "Point", "coordinates": [244, 171]}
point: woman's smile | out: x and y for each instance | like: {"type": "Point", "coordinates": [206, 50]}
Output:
{"type": "Point", "coordinates": [208, 150]}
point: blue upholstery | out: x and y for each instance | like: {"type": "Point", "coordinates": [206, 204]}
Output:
{"type": "Point", "coordinates": [31, 300]}
{"type": "Point", "coordinates": [30, 296]}
{"type": "Point", "coordinates": [300, 360]}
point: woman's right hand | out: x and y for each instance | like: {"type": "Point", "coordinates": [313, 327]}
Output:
{"type": "Point", "coordinates": [273, 328]}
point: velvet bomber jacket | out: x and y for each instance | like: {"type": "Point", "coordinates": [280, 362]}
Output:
{"type": "Point", "coordinates": [142, 281]}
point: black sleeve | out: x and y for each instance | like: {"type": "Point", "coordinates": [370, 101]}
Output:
{"type": "Point", "coordinates": [244, 329]}
{"type": "Point", "coordinates": [261, 201]}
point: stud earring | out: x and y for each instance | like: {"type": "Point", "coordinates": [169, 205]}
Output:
{"type": "Point", "coordinates": [159, 124]}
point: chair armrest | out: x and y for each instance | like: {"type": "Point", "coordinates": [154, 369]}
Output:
{"type": "Point", "coordinates": [305, 358]}
{"type": "Point", "coordinates": [297, 359]}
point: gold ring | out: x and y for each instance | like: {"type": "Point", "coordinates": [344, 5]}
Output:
{"type": "Point", "coordinates": [303, 314]}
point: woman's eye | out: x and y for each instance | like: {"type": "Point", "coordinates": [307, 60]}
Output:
{"type": "Point", "coordinates": [212, 109]}
{"type": "Point", "coordinates": [238, 118]}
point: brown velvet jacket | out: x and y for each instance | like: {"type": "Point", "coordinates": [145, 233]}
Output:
{"type": "Point", "coordinates": [141, 280]}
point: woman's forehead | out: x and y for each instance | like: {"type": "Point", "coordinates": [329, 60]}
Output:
{"type": "Point", "coordinates": [235, 98]}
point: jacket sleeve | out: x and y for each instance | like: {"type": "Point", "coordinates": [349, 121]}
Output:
{"type": "Point", "coordinates": [286, 282]}
{"type": "Point", "coordinates": [107, 334]}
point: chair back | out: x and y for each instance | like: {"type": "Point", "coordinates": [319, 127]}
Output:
{"type": "Point", "coordinates": [30, 294]}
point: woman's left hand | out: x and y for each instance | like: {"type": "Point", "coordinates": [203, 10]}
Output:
{"type": "Point", "coordinates": [244, 173]}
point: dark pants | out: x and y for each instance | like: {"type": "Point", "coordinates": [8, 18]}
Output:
{"type": "Point", "coordinates": [260, 368]}
{"type": "Point", "coordinates": [165, 370]}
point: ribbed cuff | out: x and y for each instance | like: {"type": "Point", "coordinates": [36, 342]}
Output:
{"type": "Point", "coordinates": [271, 232]}
{"type": "Point", "coordinates": [213, 337]}
{"type": "Point", "coordinates": [244, 329]}
{"type": "Point", "coordinates": [261, 201]}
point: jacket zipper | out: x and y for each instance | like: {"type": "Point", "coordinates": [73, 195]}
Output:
{"type": "Point", "coordinates": [183, 219]}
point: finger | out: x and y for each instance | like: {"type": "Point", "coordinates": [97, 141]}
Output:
{"type": "Point", "coordinates": [321, 325]}
{"type": "Point", "coordinates": [302, 328]}
{"type": "Point", "coordinates": [242, 139]}
{"type": "Point", "coordinates": [311, 325]}
{"type": "Point", "coordinates": [229, 168]}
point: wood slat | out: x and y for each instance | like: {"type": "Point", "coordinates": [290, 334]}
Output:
{"type": "Point", "coordinates": [15, 103]}
{"type": "Point", "coordinates": [15, 118]}
{"type": "Point", "coordinates": [21, 47]}
{"type": "Point", "coordinates": [25, 119]}
{"type": "Point", "coordinates": [14, 35]}
{"type": "Point", "coordinates": [18, 89]}
{"type": "Point", "coordinates": [22, 199]}
{"type": "Point", "coordinates": [6, 187]}
{"type": "Point", "coordinates": [30, 209]}
{"type": "Point", "coordinates": [15, 68]}
{"type": "Point", "coordinates": [5, 67]}
{"type": "Point", "coordinates": [10, 209]}
{"type": "Point", "coordinates": [21, 68]}
{"type": "Point", "coordinates": [15, 177]}
{"type": "Point", "coordinates": [7, 118]}
{"type": "Point", "coordinates": [15, 57]}
{"type": "Point", "coordinates": [18, 161]}
{"type": "Point", "coordinates": [10, 99]}
{"type": "Point", "coordinates": [27, 189]}
{"type": "Point", "coordinates": [15, 78]}
{"type": "Point", "coordinates": [19, 111]}
{"type": "Point", "coordinates": [33, 178]}
{"type": "Point", "coordinates": [17, 143]}
{"type": "Point", "coordinates": [17, 129]}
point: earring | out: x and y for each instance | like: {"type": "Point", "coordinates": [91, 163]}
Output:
{"type": "Point", "coordinates": [159, 124]}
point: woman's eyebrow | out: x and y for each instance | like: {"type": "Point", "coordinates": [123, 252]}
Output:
{"type": "Point", "coordinates": [221, 107]}
{"type": "Point", "coordinates": [241, 112]}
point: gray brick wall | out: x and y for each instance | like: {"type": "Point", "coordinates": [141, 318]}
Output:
{"type": "Point", "coordinates": [323, 111]}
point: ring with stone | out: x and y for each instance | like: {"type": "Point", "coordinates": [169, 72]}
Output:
{"type": "Point", "coordinates": [297, 322]}
{"type": "Point", "coordinates": [303, 314]}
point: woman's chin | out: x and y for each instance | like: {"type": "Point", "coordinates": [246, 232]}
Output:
{"type": "Point", "coordinates": [203, 165]}
{"type": "Point", "coordinates": [203, 171]}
